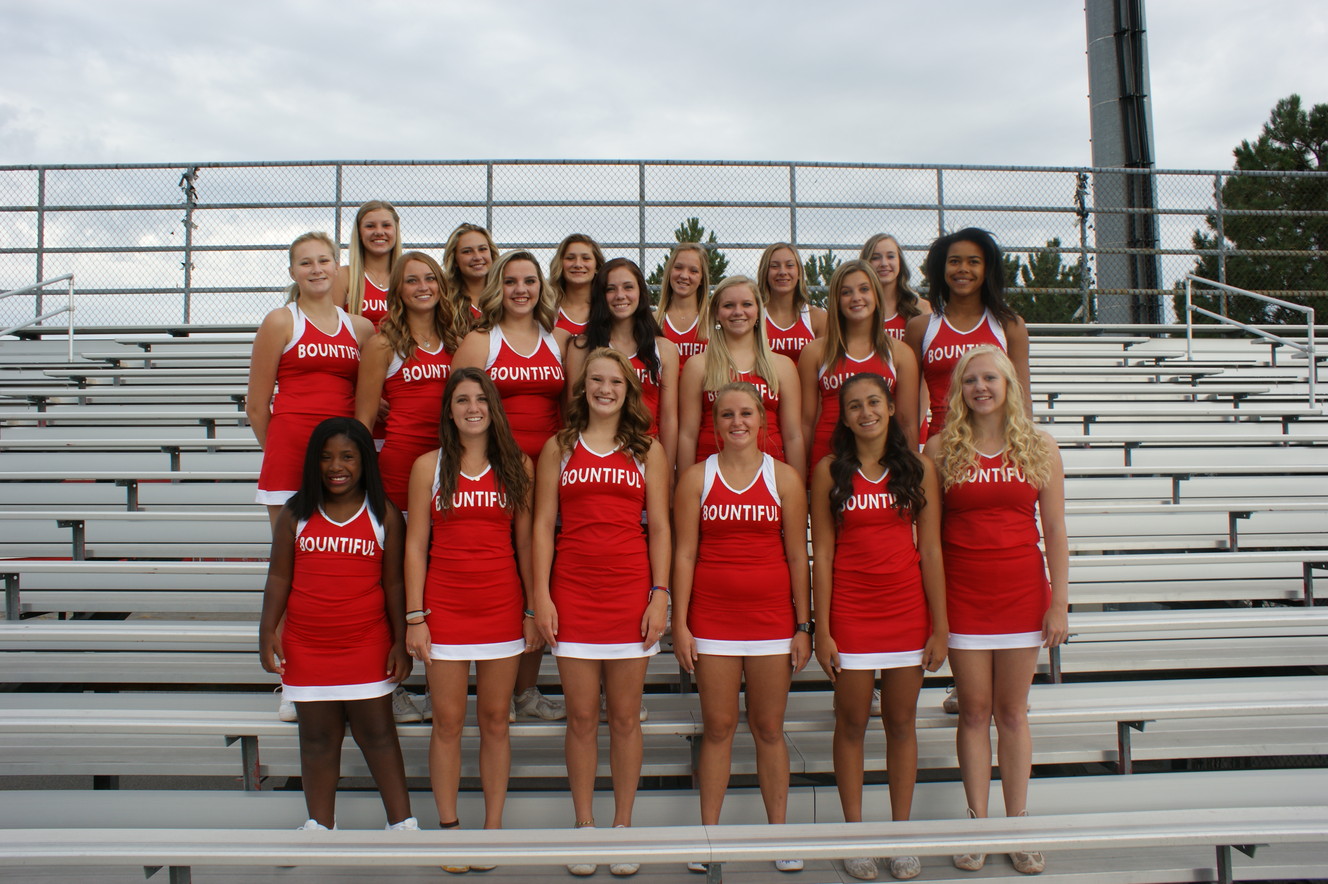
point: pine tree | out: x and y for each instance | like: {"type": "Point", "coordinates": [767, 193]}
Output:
{"type": "Point", "coordinates": [691, 230]}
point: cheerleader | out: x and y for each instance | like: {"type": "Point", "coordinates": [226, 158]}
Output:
{"type": "Point", "coordinates": [741, 606]}
{"type": "Point", "coordinates": [856, 340]}
{"type": "Point", "coordinates": [335, 577]}
{"type": "Point", "coordinates": [620, 317]}
{"type": "Point", "coordinates": [967, 293]}
{"type": "Point", "coordinates": [406, 364]}
{"type": "Point", "coordinates": [683, 288]}
{"type": "Point", "coordinates": [375, 247]}
{"type": "Point", "coordinates": [308, 352]}
{"type": "Point", "coordinates": [571, 273]}
{"type": "Point", "coordinates": [467, 257]}
{"type": "Point", "coordinates": [996, 470]}
{"type": "Point", "coordinates": [899, 302]}
{"type": "Point", "coordinates": [467, 573]}
{"type": "Point", "coordinates": [791, 322]}
{"type": "Point", "coordinates": [879, 592]}
{"type": "Point", "coordinates": [733, 325]}
{"type": "Point", "coordinates": [602, 600]}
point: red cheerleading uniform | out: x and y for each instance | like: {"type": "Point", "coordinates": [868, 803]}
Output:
{"type": "Point", "coordinates": [601, 568]}
{"type": "Point", "coordinates": [337, 638]}
{"type": "Point", "coordinates": [414, 390]}
{"type": "Point", "coordinates": [742, 596]}
{"type": "Point", "coordinates": [772, 441]}
{"type": "Point", "coordinates": [791, 340]}
{"type": "Point", "coordinates": [686, 340]}
{"type": "Point", "coordinates": [996, 577]}
{"type": "Point", "coordinates": [829, 382]}
{"type": "Point", "coordinates": [650, 390]}
{"type": "Point", "coordinates": [472, 587]}
{"type": "Point", "coordinates": [568, 324]}
{"type": "Point", "coordinates": [942, 347]}
{"type": "Point", "coordinates": [878, 610]}
{"type": "Point", "coordinates": [531, 387]}
{"type": "Point", "coordinates": [894, 326]}
{"type": "Point", "coordinates": [374, 305]}
{"type": "Point", "coordinates": [315, 380]}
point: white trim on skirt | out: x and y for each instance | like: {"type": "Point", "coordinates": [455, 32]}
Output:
{"type": "Point", "coordinates": [304, 693]}
{"type": "Point", "coordinates": [882, 660]}
{"type": "Point", "coordinates": [996, 641]}
{"type": "Point", "coordinates": [595, 651]}
{"type": "Point", "coordinates": [486, 651]}
{"type": "Point", "coordinates": [726, 648]}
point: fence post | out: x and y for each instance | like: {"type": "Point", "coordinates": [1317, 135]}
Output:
{"type": "Point", "coordinates": [190, 200]}
{"type": "Point", "coordinates": [336, 216]}
{"type": "Point", "coordinates": [41, 237]}
{"type": "Point", "coordinates": [1221, 239]}
{"type": "Point", "coordinates": [793, 204]}
{"type": "Point", "coordinates": [641, 214]}
{"type": "Point", "coordinates": [1081, 209]}
{"type": "Point", "coordinates": [1189, 319]}
{"type": "Point", "coordinates": [488, 200]}
{"type": "Point", "coordinates": [940, 203]}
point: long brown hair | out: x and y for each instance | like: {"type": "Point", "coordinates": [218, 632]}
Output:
{"type": "Point", "coordinates": [505, 458]}
{"type": "Point", "coordinates": [835, 348]}
{"type": "Point", "coordinates": [396, 329]}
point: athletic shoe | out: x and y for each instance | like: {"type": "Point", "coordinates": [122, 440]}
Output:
{"type": "Point", "coordinates": [532, 704]}
{"type": "Point", "coordinates": [970, 862]}
{"type": "Point", "coordinates": [604, 709]}
{"type": "Point", "coordinates": [409, 824]}
{"type": "Point", "coordinates": [788, 865]}
{"type": "Point", "coordinates": [312, 826]}
{"type": "Point", "coordinates": [425, 705]}
{"type": "Point", "coordinates": [403, 707]}
{"type": "Point", "coordinates": [455, 870]}
{"type": "Point", "coordinates": [903, 868]}
{"type": "Point", "coordinates": [622, 870]}
{"type": "Point", "coordinates": [286, 709]}
{"type": "Point", "coordinates": [1028, 862]}
{"type": "Point", "coordinates": [699, 868]}
{"type": "Point", "coordinates": [876, 702]}
{"type": "Point", "coordinates": [511, 710]}
{"type": "Point", "coordinates": [863, 868]}
{"type": "Point", "coordinates": [951, 702]}
{"type": "Point", "coordinates": [581, 870]}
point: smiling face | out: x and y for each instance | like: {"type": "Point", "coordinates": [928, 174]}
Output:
{"type": "Point", "coordinates": [738, 419]}
{"type": "Point", "coordinates": [884, 259]}
{"type": "Point", "coordinates": [965, 269]}
{"type": "Point", "coordinates": [606, 386]}
{"type": "Point", "coordinates": [521, 288]}
{"type": "Point", "coordinates": [313, 267]}
{"type": "Point", "coordinates": [736, 310]}
{"type": "Point", "coordinates": [378, 232]}
{"type": "Point", "coordinates": [419, 287]}
{"type": "Point", "coordinates": [473, 258]}
{"type": "Point", "coordinates": [782, 276]}
{"type": "Point", "coordinates": [685, 275]}
{"type": "Point", "coordinates": [469, 409]}
{"type": "Point", "coordinates": [621, 293]}
{"type": "Point", "coordinates": [579, 266]}
{"type": "Point", "coordinates": [866, 409]}
{"type": "Point", "coordinates": [340, 467]}
{"type": "Point", "coordinates": [857, 298]}
{"type": "Point", "coordinates": [983, 385]}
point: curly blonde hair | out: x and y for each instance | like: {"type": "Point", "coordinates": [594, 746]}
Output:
{"type": "Point", "coordinates": [1024, 445]}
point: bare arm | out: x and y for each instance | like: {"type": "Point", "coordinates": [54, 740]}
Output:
{"type": "Point", "coordinates": [809, 365]}
{"type": "Point", "coordinates": [790, 416]}
{"type": "Point", "coordinates": [823, 567]}
{"type": "Point", "coordinates": [689, 410]}
{"type": "Point", "coordinates": [543, 523]}
{"type": "Point", "coordinates": [668, 398]}
{"type": "Point", "coordinates": [1016, 339]}
{"type": "Point", "coordinates": [1051, 509]}
{"type": "Point", "coordinates": [659, 542]}
{"type": "Point", "coordinates": [686, 527]}
{"type": "Point", "coordinates": [472, 352]}
{"type": "Point", "coordinates": [907, 388]}
{"type": "Point", "coordinates": [522, 532]}
{"type": "Point", "coordinates": [928, 526]}
{"type": "Point", "coordinates": [416, 551]}
{"type": "Point", "coordinates": [273, 335]}
{"type": "Point", "coordinates": [394, 538]}
{"type": "Point", "coordinates": [276, 592]}
{"type": "Point", "coordinates": [374, 361]}
{"type": "Point", "coordinates": [793, 507]}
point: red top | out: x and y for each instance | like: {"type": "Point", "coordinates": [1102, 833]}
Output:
{"type": "Point", "coordinates": [772, 442]}
{"type": "Point", "coordinates": [601, 568]}
{"type": "Point", "coordinates": [531, 387]}
{"type": "Point", "coordinates": [942, 347]}
{"type": "Point", "coordinates": [894, 326]}
{"type": "Point", "coordinates": [791, 340]}
{"type": "Point", "coordinates": [568, 323]}
{"type": "Point", "coordinates": [686, 341]}
{"type": "Point", "coordinates": [317, 371]}
{"type": "Point", "coordinates": [414, 390]}
{"type": "Point", "coordinates": [829, 382]}
{"type": "Point", "coordinates": [649, 392]}
{"type": "Point", "coordinates": [472, 588]}
{"type": "Point", "coordinates": [374, 305]}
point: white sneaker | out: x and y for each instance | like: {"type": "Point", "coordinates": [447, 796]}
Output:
{"type": "Point", "coordinates": [511, 710]}
{"type": "Point", "coordinates": [951, 702]}
{"type": "Point", "coordinates": [425, 705]}
{"type": "Point", "coordinates": [604, 709]}
{"type": "Point", "coordinates": [788, 865]}
{"type": "Point", "coordinates": [863, 868]}
{"type": "Point", "coordinates": [403, 707]}
{"type": "Point", "coordinates": [409, 824]}
{"type": "Point", "coordinates": [532, 704]}
{"type": "Point", "coordinates": [903, 868]}
{"type": "Point", "coordinates": [699, 868]}
{"type": "Point", "coordinates": [311, 826]}
{"type": "Point", "coordinates": [286, 709]}
{"type": "Point", "coordinates": [876, 703]}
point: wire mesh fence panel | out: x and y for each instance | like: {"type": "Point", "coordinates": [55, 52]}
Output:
{"type": "Point", "coordinates": [180, 243]}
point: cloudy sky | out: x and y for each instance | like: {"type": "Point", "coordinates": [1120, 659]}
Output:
{"type": "Point", "coordinates": [964, 81]}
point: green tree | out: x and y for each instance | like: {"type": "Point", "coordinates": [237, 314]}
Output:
{"type": "Point", "coordinates": [1293, 140]}
{"type": "Point", "coordinates": [1044, 269]}
{"type": "Point", "coordinates": [691, 230]}
{"type": "Point", "coordinates": [818, 269]}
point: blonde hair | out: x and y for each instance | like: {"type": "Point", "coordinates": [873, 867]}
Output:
{"type": "Point", "coordinates": [835, 348]}
{"type": "Point", "coordinates": [456, 285]}
{"type": "Point", "coordinates": [396, 329]}
{"type": "Point", "coordinates": [556, 290]}
{"type": "Point", "coordinates": [355, 265]}
{"type": "Point", "coordinates": [491, 299]}
{"type": "Point", "coordinates": [633, 434]}
{"type": "Point", "coordinates": [1024, 445]}
{"type": "Point", "coordinates": [293, 292]}
{"type": "Point", "coordinates": [801, 297]}
{"type": "Point", "coordinates": [719, 366]}
{"type": "Point", "coordinates": [666, 283]}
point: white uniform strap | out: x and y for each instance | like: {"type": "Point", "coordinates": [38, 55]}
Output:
{"type": "Point", "coordinates": [933, 327]}
{"type": "Point", "coordinates": [297, 327]}
{"type": "Point", "coordinates": [768, 476]}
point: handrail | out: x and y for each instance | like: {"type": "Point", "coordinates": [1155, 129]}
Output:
{"type": "Point", "coordinates": [1307, 348]}
{"type": "Point", "coordinates": [68, 309]}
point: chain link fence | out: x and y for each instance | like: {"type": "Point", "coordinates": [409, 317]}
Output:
{"type": "Point", "coordinates": [205, 243]}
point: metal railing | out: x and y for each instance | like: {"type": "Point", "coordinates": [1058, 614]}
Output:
{"type": "Point", "coordinates": [194, 242]}
{"type": "Point", "coordinates": [1307, 348]}
{"type": "Point", "coordinates": [68, 309]}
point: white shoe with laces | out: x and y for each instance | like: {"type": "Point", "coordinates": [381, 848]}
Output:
{"type": "Point", "coordinates": [622, 870]}
{"type": "Point", "coordinates": [312, 825]}
{"type": "Point", "coordinates": [404, 710]}
{"type": "Point", "coordinates": [409, 824]}
{"type": "Point", "coordinates": [788, 865]}
{"type": "Point", "coordinates": [902, 868]}
{"type": "Point", "coordinates": [532, 704]}
{"type": "Point", "coordinates": [863, 868]}
{"type": "Point", "coordinates": [699, 868]}
{"type": "Point", "coordinates": [286, 709]}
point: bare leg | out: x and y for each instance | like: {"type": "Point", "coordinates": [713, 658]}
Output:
{"type": "Point", "coordinates": [375, 732]}
{"type": "Point", "coordinates": [528, 672]}
{"type": "Point", "coordinates": [623, 682]}
{"type": "Point", "coordinates": [973, 677]}
{"type": "Point", "coordinates": [899, 714]}
{"type": "Point", "coordinates": [853, 689]}
{"type": "Point", "coordinates": [718, 680]}
{"type": "Point", "coordinates": [493, 688]}
{"type": "Point", "coordinates": [1013, 673]}
{"type": "Point", "coordinates": [322, 727]}
{"type": "Point", "coordinates": [448, 685]}
{"type": "Point", "coordinates": [768, 679]}
{"type": "Point", "coordinates": [581, 680]}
